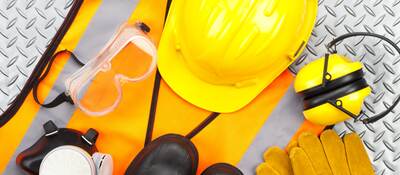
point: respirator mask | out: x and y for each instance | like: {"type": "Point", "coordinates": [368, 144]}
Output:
{"type": "Point", "coordinates": [64, 151]}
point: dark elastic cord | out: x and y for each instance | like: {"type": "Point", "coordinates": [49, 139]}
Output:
{"type": "Point", "coordinates": [61, 98]}
{"type": "Point", "coordinates": [154, 98]}
{"type": "Point", "coordinates": [332, 49]}
{"type": "Point", "coordinates": [202, 125]}
{"type": "Point", "coordinates": [153, 108]}
{"type": "Point", "coordinates": [167, 9]}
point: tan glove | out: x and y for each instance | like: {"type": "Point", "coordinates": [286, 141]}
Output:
{"type": "Point", "coordinates": [277, 162]}
{"type": "Point", "coordinates": [327, 155]}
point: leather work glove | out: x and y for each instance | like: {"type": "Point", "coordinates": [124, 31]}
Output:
{"type": "Point", "coordinates": [276, 162]}
{"type": "Point", "coordinates": [327, 155]}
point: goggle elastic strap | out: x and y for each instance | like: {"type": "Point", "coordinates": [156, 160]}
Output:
{"type": "Point", "coordinates": [61, 98]}
{"type": "Point", "coordinates": [64, 97]}
{"type": "Point", "coordinates": [326, 76]}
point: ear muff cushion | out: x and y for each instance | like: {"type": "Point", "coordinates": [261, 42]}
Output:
{"type": "Point", "coordinates": [335, 94]}
{"type": "Point", "coordinates": [334, 84]}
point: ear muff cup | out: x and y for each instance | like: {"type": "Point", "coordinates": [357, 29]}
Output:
{"type": "Point", "coordinates": [332, 85]}
{"type": "Point", "coordinates": [334, 94]}
{"type": "Point", "coordinates": [328, 104]}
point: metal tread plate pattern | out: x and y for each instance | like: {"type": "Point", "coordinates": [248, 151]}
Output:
{"type": "Point", "coordinates": [381, 66]}
{"type": "Point", "coordinates": [26, 29]}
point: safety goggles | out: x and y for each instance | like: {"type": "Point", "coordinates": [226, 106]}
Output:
{"type": "Point", "coordinates": [96, 88]}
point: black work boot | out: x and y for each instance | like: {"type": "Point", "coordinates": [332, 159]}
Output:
{"type": "Point", "coordinates": [222, 169]}
{"type": "Point", "coordinates": [167, 155]}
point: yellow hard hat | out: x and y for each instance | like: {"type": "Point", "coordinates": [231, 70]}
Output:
{"type": "Point", "coordinates": [347, 88]}
{"type": "Point", "coordinates": [219, 55]}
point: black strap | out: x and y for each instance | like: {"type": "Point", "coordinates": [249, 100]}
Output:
{"type": "Point", "coordinates": [332, 49]}
{"type": "Point", "coordinates": [154, 100]}
{"type": "Point", "coordinates": [167, 9]}
{"type": "Point", "coordinates": [61, 98]}
{"type": "Point", "coordinates": [156, 90]}
{"type": "Point", "coordinates": [326, 77]}
{"type": "Point", "coordinates": [332, 45]}
{"type": "Point", "coordinates": [202, 125]}
{"type": "Point", "coordinates": [153, 108]}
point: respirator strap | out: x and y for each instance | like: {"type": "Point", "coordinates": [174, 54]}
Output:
{"type": "Point", "coordinates": [61, 98]}
{"type": "Point", "coordinates": [332, 50]}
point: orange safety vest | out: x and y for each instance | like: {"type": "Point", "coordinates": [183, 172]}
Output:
{"type": "Point", "coordinates": [122, 132]}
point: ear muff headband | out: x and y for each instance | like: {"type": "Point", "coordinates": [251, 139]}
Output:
{"type": "Point", "coordinates": [332, 50]}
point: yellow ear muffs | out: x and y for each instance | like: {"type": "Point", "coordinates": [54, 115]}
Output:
{"type": "Point", "coordinates": [345, 88]}
{"type": "Point", "coordinates": [334, 88]}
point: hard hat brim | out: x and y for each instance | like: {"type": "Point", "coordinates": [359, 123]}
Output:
{"type": "Point", "coordinates": [213, 97]}
{"type": "Point", "coordinates": [216, 98]}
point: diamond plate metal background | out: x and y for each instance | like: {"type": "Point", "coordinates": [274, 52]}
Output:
{"type": "Point", "coordinates": [381, 62]}
{"type": "Point", "coordinates": [26, 29]}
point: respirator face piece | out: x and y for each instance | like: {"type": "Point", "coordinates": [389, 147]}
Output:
{"type": "Point", "coordinates": [333, 87]}
{"type": "Point", "coordinates": [64, 151]}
